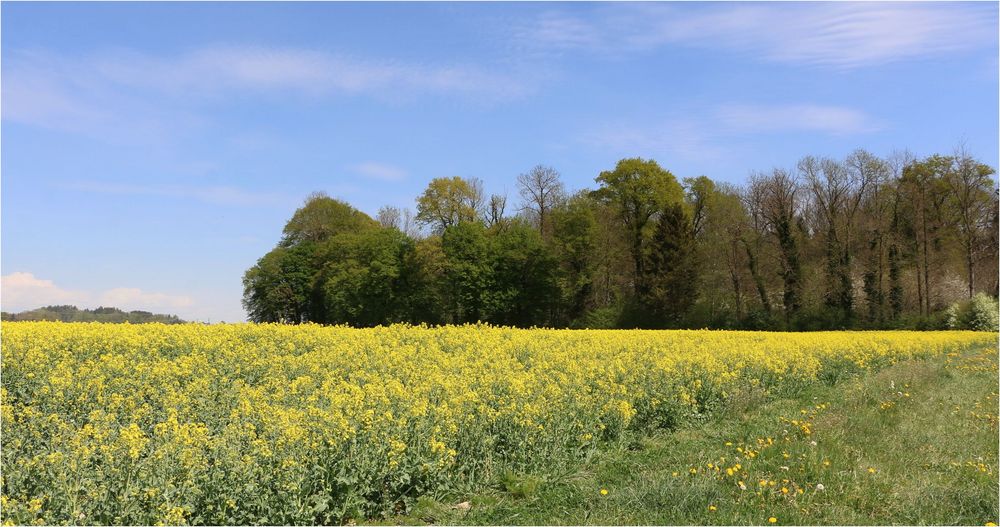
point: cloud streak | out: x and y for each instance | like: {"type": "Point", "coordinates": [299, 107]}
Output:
{"type": "Point", "coordinates": [838, 35]}
{"type": "Point", "coordinates": [717, 128]}
{"type": "Point", "coordinates": [833, 120]}
{"type": "Point", "coordinates": [228, 69]}
{"type": "Point", "coordinates": [213, 194]}
{"type": "Point", "coordinates": [379, 171]}
{"type": "Point", "coordinates": [131, 98]}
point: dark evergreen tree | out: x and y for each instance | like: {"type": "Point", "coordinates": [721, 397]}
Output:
{"type": "Point", "coordinates": [671, 268]}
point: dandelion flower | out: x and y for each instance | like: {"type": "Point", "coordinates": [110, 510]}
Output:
{"type": "Point", "coordinates": [772, 519]}
{"type": "Point", "coordinates": [604, 492]}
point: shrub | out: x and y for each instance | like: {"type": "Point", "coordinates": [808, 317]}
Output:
{"type": "Point", "coordinates": [984, 313]}
{"type": "Point", "coordinates": [980, 313]}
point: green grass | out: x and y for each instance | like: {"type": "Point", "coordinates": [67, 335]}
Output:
{"type": "Point", "coordinates": [913, 444]}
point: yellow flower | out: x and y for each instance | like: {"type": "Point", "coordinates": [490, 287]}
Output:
{"type": "Point", "coordinates": [711, 507]}
{"type": "Point", "coordinates": [156, 395]}
{"type": "Point", "coordinates": [772, 519]}
{"type": "Point", "coordinates": [871, 470]}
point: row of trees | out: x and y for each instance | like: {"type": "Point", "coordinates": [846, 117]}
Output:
{"type": "Point", "coordinates": [860, 242]}
{"type": "Point", "coordinates": [67, 313]}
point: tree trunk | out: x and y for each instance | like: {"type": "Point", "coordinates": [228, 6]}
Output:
{"type": "Point", "coordinates": [920, 283]}
{"type": "Point", "coordinates": [927, 274]}
{"type": "Point", "coordinates": [968, 259]}
{"type": "Point", "coordinates": [757, 279]}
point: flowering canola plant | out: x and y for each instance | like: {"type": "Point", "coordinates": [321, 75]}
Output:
{"type": "Point", "coordinates": [238, 424]}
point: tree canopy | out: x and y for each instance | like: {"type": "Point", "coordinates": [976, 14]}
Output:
{"type": "Point", "coordinates": [859, 242]}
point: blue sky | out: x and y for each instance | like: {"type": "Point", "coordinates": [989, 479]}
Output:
{"type": "Point", "coordinates": [151, 152]}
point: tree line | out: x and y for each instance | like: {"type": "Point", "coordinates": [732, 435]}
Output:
{"type": "Point", "coordinates": [859, 242]}
{"type": "Point", "coordinates": [66, 313]}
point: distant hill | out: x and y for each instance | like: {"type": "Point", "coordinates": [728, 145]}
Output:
{"type": "Point", "coordinates": [101, 314]}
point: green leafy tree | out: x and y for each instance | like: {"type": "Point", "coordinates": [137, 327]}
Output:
{"type": "Point", "coordinates": [574, 242]}
{"type": "Point", "coordinates": [721, 228]}
{"type": "Point", "coordinates": [638, 189]}
{"type": "Point", "coordinates": [279, 287]}
{"type": "Point", "coordinates": [428, 284]}
{"type": "Point", "coordinates": [468, 272]}
{"type": "Point", "coordinates": [282, 285]}
{"type": "Point", "coordinates": [449, 201]}
{"type": "Point", "coordinates": [364, 280]}
{"type": "Point", "coordinates": [322, 217]}
{"type": "Point", "coordinates": [525, 289]}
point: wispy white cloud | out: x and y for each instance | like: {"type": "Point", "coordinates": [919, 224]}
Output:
{"type": "Point", "coordinates": [379, 171]}
{"type": "Point", "coordinates": [835, 120]}
{"type": "Point", "coordinates": [58, 93]}
{"type": "Point", "coordinates": [837, 34]}
{"type": "Point", "coordinates": [125, 94]}
{"type": "Point", "coordinates": [675, 137]}
{"type": "Point", "coordinates": [215, 194]}
{"type": "Point", "coordinates": [23, 291]}
{"type": "Point", "coordinates": [162, 102]}
{"type": "Point", "coordinates": [225, 70]}
{"type": "Point", "coordinates": [709, 133]}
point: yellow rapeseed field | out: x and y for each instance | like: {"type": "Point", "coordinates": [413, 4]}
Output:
{"type": "Point", "coordinates": [237, 424]}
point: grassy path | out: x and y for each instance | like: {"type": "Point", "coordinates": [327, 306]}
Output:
{"type": "Point", "coordinates": [914, 444]}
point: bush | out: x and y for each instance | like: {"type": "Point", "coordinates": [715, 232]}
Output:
{"type": "Point", "coordinates": [984, 313]}
{"type": "Point", "coordinates": [980, 313]}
